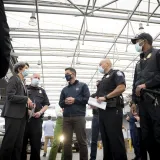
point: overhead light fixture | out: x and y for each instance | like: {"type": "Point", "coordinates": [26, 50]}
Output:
{"type": "Point", "coordinates": [141, 28]}
{"type": "Point", "coordinates": [33, 21]}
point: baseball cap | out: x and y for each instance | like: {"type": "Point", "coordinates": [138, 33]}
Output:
{"type": "Point", "coordinates": [146, 36]}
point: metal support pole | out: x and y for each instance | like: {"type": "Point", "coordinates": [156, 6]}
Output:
{"type": "Point", "coordinates": [76, 6]}
{"type": "Point", "coordinates": [138, 3]}
{"type": "Point", "coordinates": [127, 36]}
{"type": "Point", "coordinates": [39, 37]}
{"type": "Point", "coordinates": [80, 34]}
{"type": "Point", "coordinates": [124, 25]}
{"type": "Point", "coordinates": [153, 12]}
{"type": "Point", "coordinates": [97, 9]}
{"type": "Point", "coordinates": [148, 12]}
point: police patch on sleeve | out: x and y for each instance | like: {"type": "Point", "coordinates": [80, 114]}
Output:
{"type": "Point", "coordinates": [119, 73]}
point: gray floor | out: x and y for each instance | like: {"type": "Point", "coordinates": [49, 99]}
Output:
{"type": "Point", "coordinates": [99, 155]}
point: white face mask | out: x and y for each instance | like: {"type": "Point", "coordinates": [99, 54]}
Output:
{"type": "Point", "coordinates": [101, 70]}
{"type": "Point", "coordinates": [138, 47]}
{"type": "Point", "coordinates": [35, 82]}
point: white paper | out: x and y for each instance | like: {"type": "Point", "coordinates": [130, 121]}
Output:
{"type": "Point", "coordinates": [93, 102]}
{"type": "Point", "coordinates": [137, 124]}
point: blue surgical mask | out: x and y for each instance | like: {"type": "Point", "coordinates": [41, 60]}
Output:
{"type": "Point", "coordinates": [35, 82]}
{"type": "Point", "coordinates": [68, 77]}
{"type": "Point", "coordinates": [25, 73]}
{"type": "Point", "coordinates": [101, 70]}
{"type": "Point", "coordinates": [138, 47]}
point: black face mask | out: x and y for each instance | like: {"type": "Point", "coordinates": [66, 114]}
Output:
{"type": "Point", "coordinates": [68, 77]}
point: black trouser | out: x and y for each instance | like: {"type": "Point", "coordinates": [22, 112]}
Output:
{"type": "Point", "coordinates": [78, 125]}
{"type": "Point", "coordinates": [33, 132]}
{"type": "Point", "coordinates": [143, 151]}
{"type": "Point", "coordinates": [110, 121]}
{"type": "Point", "coordinates": [13, 139]}
{"type": "Point", "coordinates": [150, 126]}
{"type": "Point", "coordinates": [95, 134]}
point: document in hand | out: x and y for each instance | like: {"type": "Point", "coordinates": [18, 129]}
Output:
{"type": "Point", "coordinates": [93, 102]}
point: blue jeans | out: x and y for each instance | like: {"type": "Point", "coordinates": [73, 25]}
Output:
{"type": "Point", "coordinates": [95, 134]}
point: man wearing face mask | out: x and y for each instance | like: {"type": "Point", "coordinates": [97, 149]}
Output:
{"type": "Point", "coordinates": [73, 99]}
{"type": "Point", "coordinates": [147, 75]}
{"type": "Point", "coordinates": [33, 130]}
{"type": "Point", "coordinates": [110, 90]}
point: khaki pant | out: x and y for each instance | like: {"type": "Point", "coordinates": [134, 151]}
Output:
{"type": "Point", "coordinates": [47, 138]}
{"type": "Point", "coordinates": [126, 144]}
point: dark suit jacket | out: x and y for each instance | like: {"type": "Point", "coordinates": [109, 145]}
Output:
{"type": "Point", "coordinates": [16, 100]}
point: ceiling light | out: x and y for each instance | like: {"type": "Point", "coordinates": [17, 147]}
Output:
{"type": "Point", "coordinates": [141, 28]}
{"type": "Point", "coordinates": [33, 21]}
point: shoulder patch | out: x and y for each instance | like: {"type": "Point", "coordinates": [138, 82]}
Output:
{"type": "Point", "coordinates": [119, 73]}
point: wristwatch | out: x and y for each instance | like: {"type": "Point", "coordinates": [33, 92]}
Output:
{"type": "Point", "coordinates": [106, 97]}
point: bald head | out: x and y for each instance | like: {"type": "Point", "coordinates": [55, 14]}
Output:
{"type": "Point", "coordinates": [36, 75]}
{"type": "Point", "coordinates": [106, 64]}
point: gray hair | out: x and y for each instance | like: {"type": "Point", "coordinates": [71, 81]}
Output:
{"type": "Point", "coordinates": [19, 66]}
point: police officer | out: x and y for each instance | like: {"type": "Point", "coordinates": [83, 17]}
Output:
{"type": "Point", "coordinates": [147, 75]}
{"type": "Point", "coordinates": [110, 89]}
{"type": "Point", "coordinates": [33, 130]}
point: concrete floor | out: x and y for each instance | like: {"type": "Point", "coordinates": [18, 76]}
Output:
{"type": "Point", "coordinates": [99, 155]}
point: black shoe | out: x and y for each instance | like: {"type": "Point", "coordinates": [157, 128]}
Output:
{"type": "Point", "coordinates": [44, 155]}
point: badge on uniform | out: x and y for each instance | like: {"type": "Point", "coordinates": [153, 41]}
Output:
{"type": "Point", "coordinates": [77, 89]}
{"type": "Point", "coordinates": [107, 76]}
{"type": "Point", "coordinates": [40, 91]}
{"type": "Point", "coordinates": [149, 56]}
{"type": "Point", "coordinates": [119, 73]}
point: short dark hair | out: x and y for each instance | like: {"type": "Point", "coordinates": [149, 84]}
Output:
{"type": "Point", "coordinates": [19, 66]}
{"type": "Point", "coordinates": [49, 117]}
{"type": "Point", "coordinates": [27, 64]}
{"type": "Point", "coordinates": [71, 69]}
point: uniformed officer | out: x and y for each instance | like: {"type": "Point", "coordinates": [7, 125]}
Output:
{"type": "Point", "coordinates": [147, 75]}
{"type": "Point", "coordinates": [110, 89]}
{"type": "Point", "coordinates": [33, 130]}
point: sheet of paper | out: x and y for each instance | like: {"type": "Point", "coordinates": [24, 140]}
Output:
{"type": "Point", "coordinates": [93, 102]}
{"type": "Point", "coordinates": [137, 124]}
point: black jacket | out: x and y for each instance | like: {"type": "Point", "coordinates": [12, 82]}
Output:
{"type": "Point", "coordinates": [16, 100]}
{"type": "Point", "coordinates": [81, 93]}
{"type": "Point", "coordinates": [147, 71]}
{"type": "Point", "coordinates": [5, 45]}
{"type": "Point", "coordinates": [38, 96]}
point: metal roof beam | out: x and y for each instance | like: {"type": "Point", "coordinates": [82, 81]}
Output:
{"type": "Point", "coordinates": [65, 5]}
{"type": "Point", "coordinates": [72, 38]}
{"type": "Point", "coordinates": [74, 13]}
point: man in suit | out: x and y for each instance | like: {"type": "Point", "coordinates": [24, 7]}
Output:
{"type": "Point", "coordinates": [5, 45]}
{"type": "Point", "coordinates": [15, 112]}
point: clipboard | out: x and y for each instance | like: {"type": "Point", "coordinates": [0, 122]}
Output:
{"type": "Point", "coordinates": [93, 102]}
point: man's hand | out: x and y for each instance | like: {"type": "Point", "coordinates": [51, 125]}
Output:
{"type": "Point", "coordinates": [69, 100]}
{"type": "Point", "coordinates": [100, 99]}
{"type": "Point", "coordinates": [127, 118]}
{"type": "Point", "coordinates": [37, 115]}
{"type": "Point", "coordinates": [137, 118]}
{"type": "Point", "coordinates": [139, 88]}
{"type": "Point", "coordinates": [30, 103]}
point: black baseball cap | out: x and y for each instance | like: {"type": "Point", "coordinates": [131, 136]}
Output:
{"type": "Point", "coordinates": [146, 36]}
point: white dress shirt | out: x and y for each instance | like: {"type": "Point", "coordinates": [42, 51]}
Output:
{"type": "Point", "coordinates": [48, 128]}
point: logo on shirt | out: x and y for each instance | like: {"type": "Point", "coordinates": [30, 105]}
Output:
{"type": "Point", "coordinates": [77, 89]}
{"type": "Point", "coordinates": [40, 91]}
